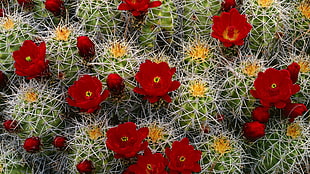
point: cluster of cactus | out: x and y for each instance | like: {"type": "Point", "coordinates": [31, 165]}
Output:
{"type": "Point", "coordinates": [162, 65]}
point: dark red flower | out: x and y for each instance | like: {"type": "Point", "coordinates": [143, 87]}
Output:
{"type": "Point", "coordinates": [115, 84]}
{"type": "Point", "coordinates": [86, 47]}
{"type": "Point", "coordinates": [3, 80]}
{"type": "Point", "coordinates": [126, 141]}
{"type": "Point", "coordinates": [30, 60]}
{"type": "Point", "coordinates": [261, 114]}
{"type": "Point", "coordinates": [254, 130]}
{"type": "Point", "coordinates": [228, 4]}
{"type": "Point", "coordinates": [138, 7]}
{"type": "Point", "coordinates": [86, 93]}
{"type": "Point", "coordinates": [2, 12]}
{"type": "Point", "coordinates": [32, 144]}
{"type": "Point", "coordinates": [55, 6]}
{"type": "Point", "coordinates": [230, 28]}
{"type": "Point", "coordinates": [149, 163]}
{"type": "Point", "coordinates": [85, 167]}
{"type": "Point", "coordinates": [60, 142]}
{"type": "Point", "coordinates": [26, 3]}
{"type": "Point", "coordinates": [183, 158]}
{"type": "Point", "coordinates": [156, 81]}
{"type": "Point", "coordinates": [10, 125]}
{"type": "Point", "coordinates": [294, 70]}
{"type": "Point", "coordinates": [274, 87]}
{"type": "Point", "coordinates": [293, 110]}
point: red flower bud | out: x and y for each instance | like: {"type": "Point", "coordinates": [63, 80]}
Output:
{"type": "Point", "coordinates": [2, 12]}
{"type": "Point", "coordinates": [55, 6]}
{"type": "Point", "coordinates": [254, 130]}
{"type": "Point", "coordinates": [26, 3]}
{"type": "Point", "coordinates": [10, 125]}
{"type": "Point", "coordinates": [3, 80]}
{"type": "Point", "coordinates": [228, 4]}
{"type": "Point", "coordinates": [294, 70]}
{"type": "Point", "coordinates": [86, 47]}
{"type": "Point", "coordinates": [32, 144]}
{"type": "Point", "coordinates": [115, 84]}
{"type": "Point", "coordinates": [85, 167]}
{"type": "Point", "coordinates": [220, 117]}
{"type": "Point", "coordinates": [293, 110]}
{"type": "Point", "coordinates": [261, 114]}
{"type": "Point", "coordinates": [60, 142]}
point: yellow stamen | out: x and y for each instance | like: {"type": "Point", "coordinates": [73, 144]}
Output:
{"type": "Point", "coordinates": [199, 51]}
{"type": "Point", "coordinates": [28, 59]}
{"type": "Point", "coordinates": [31, 97]}
{"type": "Point", "coordinates": [197, 89]}
{"type": "Point", "coordinates": [124, 138]}
{"type": "Point", "coordinates": [155, 133]}
{"type": "Point", "coordinates": [265, 3]}
{"type": "Point", "coordinates": [294, 130]}
{"type": "Point", "coordinates": [62, 33]}
{"type": "Point", "coordinates": [304, 8]}
{"type": "Point", "coordinates": [95, 133]}
{"type": "Point", "coordinates": [182, 158]}
{"type": "Point", "coordinates": [88, 93]}
{"type": "Point", "coordinates": [156, 79]}
{"type": "Point", "coordinates": [230, 34]}
{"type": "Point", "coordinates": [8, 24]}
{"type": "Point", "coordinates": [118, 49]}
{"type": "Point", "coordinates": [221, 145]}
{"type": "Point", "coordinates": [149, 166]}
{"type": "Point", "coordinates": [273, 85]}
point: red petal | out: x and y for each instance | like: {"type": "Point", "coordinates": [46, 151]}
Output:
{"type": "Point", "coordinates": [174, 85]}
{"type": "Point", "coordinates": [167, 98]}
{"type": "Point", "coordinates": [124, 6]}
{"type": "Point", "coordinates": [154, 4]}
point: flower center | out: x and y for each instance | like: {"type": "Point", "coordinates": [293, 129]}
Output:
{"type": "Point", "coordinates": [95, 133]}
{"type": "Point", "coordinates": [197, 89]}
{"type": "Point", "coordinates": [265, 3]}
{"type": "Point", "coordinates": [28, 59]}
{"type": "Point", "coordinates": [124, 139]}
{"type": "Point", "coordinates": [231, 33]}
{"type": "Point", "coordinates": [294, 130]}
{"type": "Point", "coordinates": [221, 145]}
{"type": "Point", "coordinates": [88, 93]}
{"type": "Point", "coordinates": [8, 24]}
{"type": "Point", "coordinates": [62, 33]}
{"type": "Point", "coordinates": [304, 8]}
{"type": "Point", "coordinates": [149, 167]}
{"type": "Point", "coordinates": [273, 85]}
{"type": "Point", "coordinates": [182, 158]}
{"type": "Point", "coordinates": [156, 79]}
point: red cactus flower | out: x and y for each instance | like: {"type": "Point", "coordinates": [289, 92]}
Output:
{"type": "Point", "coordinates": [156, 81]}
{"type": "Point", "coordinates": [86, 47]}
{"type": "Point", "coordinates": [293, 110]}
{"type": "Point", "coordinates": [60, 142]}
{"type": "Point", "coordinates": [228, 4]}
{"type": "Point", "coordinates": [32, 144]}
{"type": "Point", "coordinates": [3, 80]}
{"type": "Point", "coordinates": [138, 7]}
{"type": "Point", "coordinates": [261, 114]}
{"type": "Point", "coordinates": [254, 130]}
{"type": "Point", "coordinates": [230, 28]}
{"type": "Point", "coordinates": [10, 125]}
{"type": "Point", "coordinates": [183, 158]}
{"type": "Point", "coordinates": [149, 163]}
{"type": "Point", "coordinates": [26, 3]}
{"type": "Point", "coordinates": [85, 167]}
{"type": "Point", "coordinates": [115, 84]}
{"type": "Point", "coordinates": [274, 87]}
{"type": "Point", "coordinates": [126, 141]}
{"type": "Point", "coordinates": [294, 70]}
{"type": "Point", "coordinates": [55, 6]}
{"type": "Point", "coordinates": [30, 60]}
{"type": "Point", "coordinates": [86, 93]}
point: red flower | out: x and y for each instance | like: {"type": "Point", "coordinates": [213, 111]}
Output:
{"type": "Point", "coordinates": [293, 110]}
{"type": "Point", "coordinates": [3, 80]}
{"type": "Point", "coordinates": [86, 93]}
{"type": "Point", "coordinates": [183, 158]}
{"type": "Point", "coordinates": [138, 7]}
{"type": "Point", "coordinates": [125, 140]}
{"type": "Point", "coordinates": [55, 6]}
{"type": "Point", "coordinates": [60, 142]}
{"type": "Point", "coordinates": [26, 3]}
{"type": "Point", "coordinates": [274, 87]}
{"type": "Point", "coordinates": [149, 163]}
{"type": "Point", "coordinates": [261, 114]}
{"type": "Point", "coordinates": [30, 60]}
{"type": "Point", "coordinates": [294, 70]}
{"type": "Point", "coordinates": [230, 28]}
{"type": "Point", "coordinates": [86, 47]}
{"type": "Point", "coordinates": [10, 125]}
{"type": "Point", "coordinates": [228, 4]}
{"type": "Point", "coordinates": [32, 144]}
{"type": "Point", "coordinates": [254, 130]}
{"type": "Point", "coordinates": [156, 81]}
{"type": "Point", "coordinates": [115, 84]}
{"type": "Point", "coordinates": [85, 167]}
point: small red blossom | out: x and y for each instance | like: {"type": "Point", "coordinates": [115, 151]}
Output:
{"type": "Point", "coordinates": [261, 114]}
{"type": "Point", "coordinates": [254, 130]}
{"type": "Point", "coordinates": [126, 141]}
{"type": "Point", "coordinates": [60, 142]}
{"type": "Point", "coordinates": [2, 14]}
{"type": "Point", "coordinates": [86, 94]}
{"type": "Point", "coordinates": [293, 110]}
{"type": "Point", "coordinates": [26, 3]}
{"type": "Point", "coordinates": [274, 87]}
{"type": "Point", "coordinates": [149, 163]}
{"type": "Point", "coordinates": [85, 167]}
{"type": "Point", "coordinates": [228, 4]}
{"type": "Point", "coordinates": [3, 80]}
{"type": "Point", "coordinates": [294, 70]}
{"type": "Point", "coordinates": [115, 84]}
{"type": "Point", "coordinates": [32, 144]}
{"type": "Point", "coordinates": [86, 47]}
{"type": "Point", "coordinates": [183, 158]}
{"type": "Point", "coordinates": [156, 81]}
{"type": "Point", "coordinates": [10, 125]}
{"type": "Point", "coordinates": [55, 6]}
{"type": "Point", "coordinates": [230, 28]}
{"type": "Point", "coordinates": [30, 60]}
{"type": "Point", "coordinates": [138, 7]}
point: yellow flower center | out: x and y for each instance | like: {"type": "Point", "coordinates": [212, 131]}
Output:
{"type": "Point", "coordinates": [221, 145]}
{"type": "Point", "coordinates": [197, 89]}
{"type": "Point", "coordinates": [199, 51]}
{"type": "Point", "coordinates": [28, 59]}
{"type": "Point", "coordinates": [273, 85]}
{"type": "Point", "coordinates": [118, 50]}
{"type": "Point", "coordinates": [95, 133]}
{"type": "Point", "coordinates": [231, 33]}
{"type": "Point", "coordinates": [265, 3]}
{"type": "Point", "coordinates": [62, 33]}
{"type": "Point", "coordinates": [251, 69]}
{"type": "Point", "coordinates": [182, 158]}
{"type": "Point", "coordinates": [155, 133]}
{"type": "Point", "coordinates": [88, 93]}
{"type": "Point", "coordinates": [149, 167]}
{"type": "Point", "coordinates": [294, 130]}
{"type": "Point", "coordinates": [124, 139]}
{"type": "Point", "coordinates": [31, 97]}
{"type": "Point", "coordinates": [304, 8]}
{"type": "Point", "coordinates": [304, 66]}
{"type": "Point", "coordinates": [8, 24]}
{"type": "Point", "coordinates": [156, 79]}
